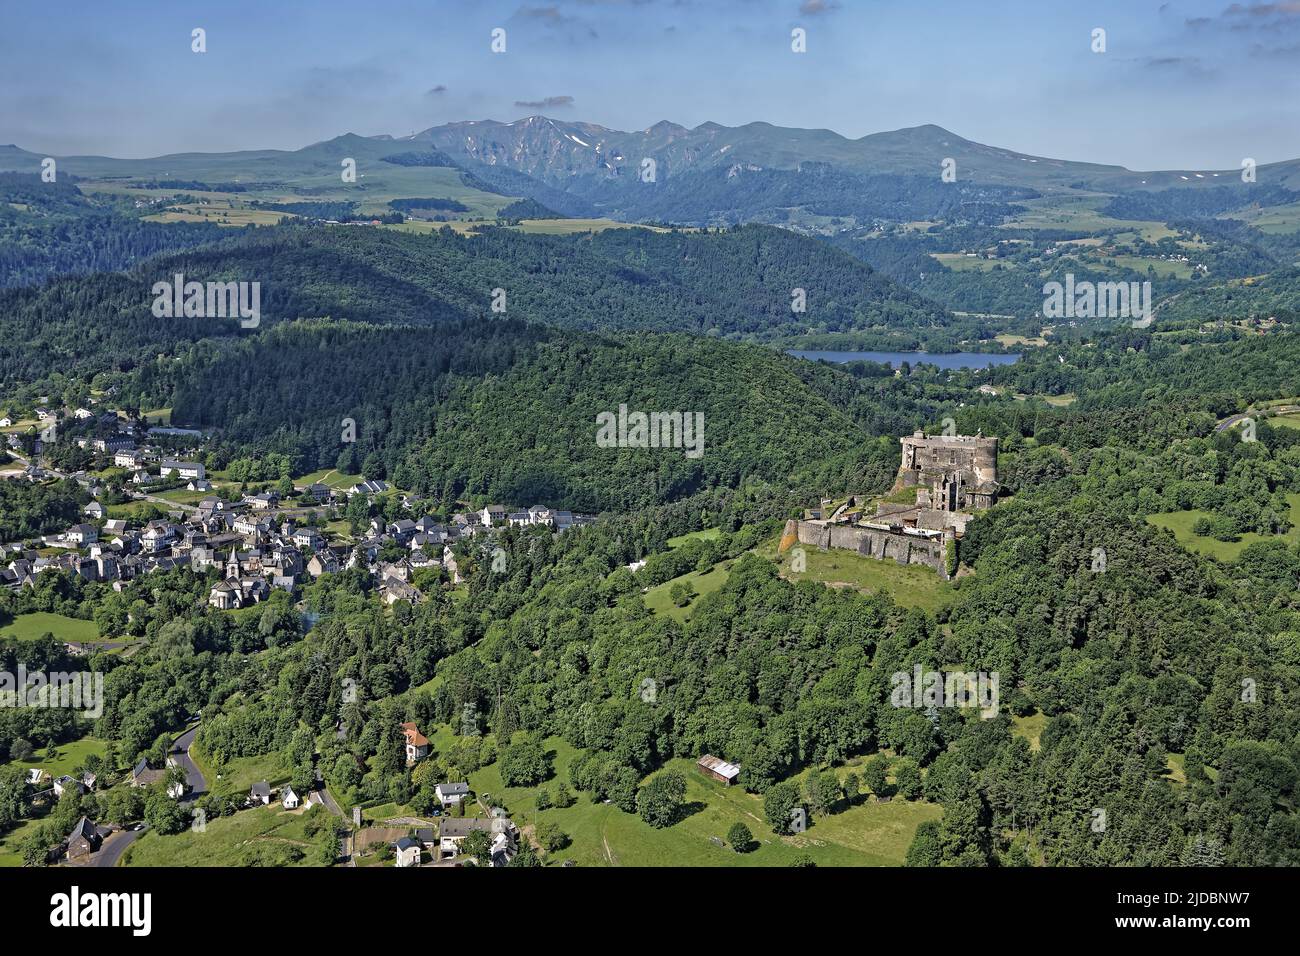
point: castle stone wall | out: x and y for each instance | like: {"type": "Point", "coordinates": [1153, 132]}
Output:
{"type": "Point", "coordinates": [873, 543]}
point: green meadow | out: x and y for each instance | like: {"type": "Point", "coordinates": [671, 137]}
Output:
{"type": "Point", "coordinates": [658, 600]}
{"type": "Point", "coordinates": [26, 627]}
{"type": "Point", "coordinates": [263, 836]}
{"type": "Point", "coordinates": [1181, 522]}
{"type": "Point", "coordinates": [868, 834]}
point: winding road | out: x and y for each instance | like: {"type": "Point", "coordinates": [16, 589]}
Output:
{"type": "Point", "coordinates": [114, 846]}
{"type": "Point", "coordinates": [1237, 419]}
{"type": "Point", "coordinates": [180, 752]}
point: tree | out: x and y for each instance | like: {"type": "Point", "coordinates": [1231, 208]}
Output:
{"type": "Point", "coordinates": [925, 849]}
{"type": "Point", "coordinates": [164, 815]}
{"type": "Point", "coordinates": [681, 593]}
{"type": "Point", "coordinates": [551, 837]}
{"type": "Point", "coordinates": [852, 789]}
{"type": "Point", "coordinates": [327, 851]}
{"type": "Point", "coordinates": [741, 840]}
{"type": "Point", "coordinates": [21, 749]}
{"type": "Point", "coordinates": [964, 831]}
{"type": "Point", "coordinates": [524, 762]}
{"type": "Point", "coordinates": [525, 857]}
{"type": "Point", "coordinates": [907, 778]}
{"type": "Point", "coordinates": [660, 800]}
{"type": "Point", "coordinates": [478, 845]}
{"type": "Point", "coordinates": [563, 798]}
{"type": "Point", "coordinates": [823, 789]}
{"type": "Point", "coordinates": [875, 774]}
{"type": "Point", "coordinates": [35, 847]}
{"type": "Point", "coordinates": [778, 802]}
{"type": "Point", "coordinates": [1202, 850]}
{"type": "Point", "coordinates": [543, 799]}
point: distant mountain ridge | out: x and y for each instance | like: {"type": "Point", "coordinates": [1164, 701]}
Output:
{"type": "Point", "coordinates": [556, 151]}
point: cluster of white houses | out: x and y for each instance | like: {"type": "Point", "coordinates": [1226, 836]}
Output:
{"type": "Point", "coordinates": [257, 548]}
{"type": "Point", "coordinates": [256, 544]}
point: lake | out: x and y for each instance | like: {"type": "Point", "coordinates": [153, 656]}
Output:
{"type": "Point", "coordinates": [941, 359]}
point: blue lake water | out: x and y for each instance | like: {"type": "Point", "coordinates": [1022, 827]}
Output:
{"type": "Point", "coordinates": [894, 359]}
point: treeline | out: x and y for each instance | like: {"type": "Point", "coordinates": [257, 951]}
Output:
{"type": "Point", "coordinates": [618, 279]}
{"type": "Point", "coordinates": [505, 411]}
{"type": "Point", "coordinates": [1207, 202]}
{"type": "Point", "coordinates": [28, 510]}
{"type": "Point", "coordinates": [739, 193]}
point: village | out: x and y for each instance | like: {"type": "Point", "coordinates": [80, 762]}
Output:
{"type": "Point", "coordinates": [257, 541]}
{"type": "Point", "coordinates": [458, 821]}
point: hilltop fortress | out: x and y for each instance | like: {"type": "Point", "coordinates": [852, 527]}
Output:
{"type": "Point", "coordinates": [953, 475]}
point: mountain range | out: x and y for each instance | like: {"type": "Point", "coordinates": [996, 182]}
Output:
{"type": "Point", "coordinates": [981, 240]}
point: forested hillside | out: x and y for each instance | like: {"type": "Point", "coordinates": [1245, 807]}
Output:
{"type": "Point", "coordinates": [505, 411]}
{"type": "Point", "coordinates": [49, 229]}
{"type": "Point", "coordinates": [738, 284]}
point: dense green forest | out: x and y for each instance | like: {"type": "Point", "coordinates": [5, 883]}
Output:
{"type": "Point", "coordinates": [49, 229]}
{"type": "Point", "coordinates": [501, 410]}
{"type": "Point", "coordinates": [618, 279]}
{"type": "Point", "coordinates": [728, 195]}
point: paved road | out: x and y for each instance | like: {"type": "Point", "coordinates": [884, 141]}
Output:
{"type": "Point", "coordinates": [115, 846]}
{"type": "Point", "coordinates": [180, 752]}
{"type": "Point", "coordinates": [327, 800]}
{"type": "Point", "coordinates": [1232, 420]}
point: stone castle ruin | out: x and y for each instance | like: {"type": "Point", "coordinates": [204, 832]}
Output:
{"type": "Point", "coordinates": [953, 475]}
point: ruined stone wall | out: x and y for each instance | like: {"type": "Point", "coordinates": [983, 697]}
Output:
{"type": "Point", "coordinates": [938, 454]}
{"type": "Point", "coordinates": [873, 543]}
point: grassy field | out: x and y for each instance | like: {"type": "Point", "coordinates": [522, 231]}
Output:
{"type": "Point", "coordinates": [222, 212]}
{"type": "Point", "coordinates": [131, 510]}
{"type": "Point", "coordinates": [1181, 522]}
{"type": "Point", "coordinates": [708, 534]}
{"type": "Point", "coordinates": [264, 836]}
{"type": "Point", "coordinates": [66, 756]}
{"type": "Point", "coordinates": [870, 834]}
{"type": "Point", "coordinates": [20, 426]}
{"type": "Point", "coordinates": [327, 476]}
{"type": "Point", "coordinates": [1162, 267]}
{"type": "Point", "coordinates": [11, 841]}
{"type": "Point", "coordinates": [1060, 401]}
{"type": "Point", "coordinates": [910, 585]}
{"type": "Point", "coordinates": [1274, 220]}
{"type": "Point", "coordinates": [1177, 766]}
{"type": "Point", "coordinates": [657, 599]}
{"type": "Point", "coordinates": [240, 773]}
{"type": "Point", "coordinates": [1080, 212]}
{"type": "Point", "coordinates": [26, 627]}
{"type": "Point", "coordinates": [960, 262]}
{"type": "Point", "coordinates": [1007, 339]}
{"type": "Point", "coordinates": [550, 227]}
{"type": "Point", "coordinates": [183, 497]}
{"type": "Point", "coordinates": [1029, 727]}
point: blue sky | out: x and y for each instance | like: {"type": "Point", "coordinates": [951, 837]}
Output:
{"type": "Point", "coordinates": [1181, 84]}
